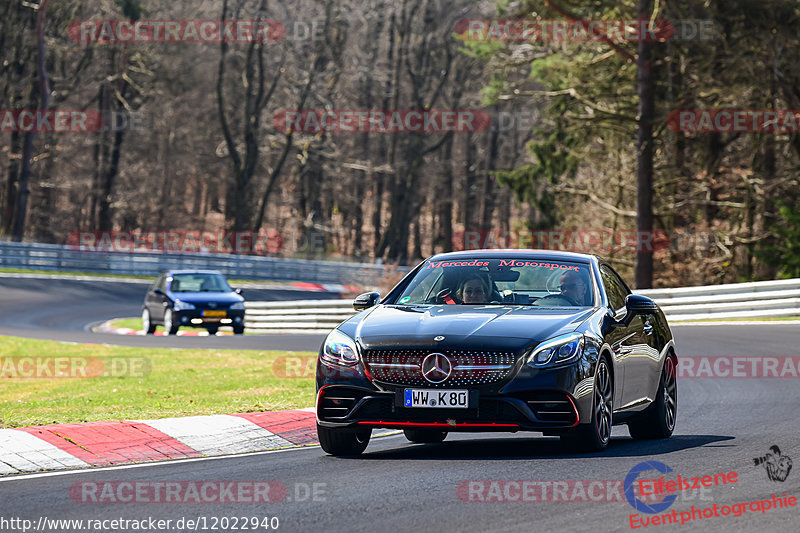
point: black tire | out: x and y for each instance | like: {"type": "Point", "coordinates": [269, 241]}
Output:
{"type": "Point", "coordinates": [594, 436]}
{"type": "Point", "coordinates": [238, 330]}
{"type": "Point", "coordinates": [169, 324]}
{"type": "Point", "coordinates": [424, 436]}
{"type": "Point", "coordinates": [658, 420]}
{"type": "Point", "coordinates": [147, 323]}
{"type": "Point", "coordinates": [213, 330]}
{"type": "Point", "coordinates": [343, 441]}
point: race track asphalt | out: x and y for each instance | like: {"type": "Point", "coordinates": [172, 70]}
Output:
{"type": "Point", "coordinates": [723, 424]}
{"type": "Point", "coordinates": [65, 310]}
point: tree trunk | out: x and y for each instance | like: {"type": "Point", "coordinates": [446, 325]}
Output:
{"type": "Point", "coordinates": [15, 151]}
{"type": "Point", "coordinates": [644, 156]}
{"type": "Point", "coordinates": [23, 190]}
{"type": "Point", "coordinates": [468, 218]}
{"type": "Point", "coordinates": [488, 199]}
{"type": "Point", "coordinates": [444, 199]}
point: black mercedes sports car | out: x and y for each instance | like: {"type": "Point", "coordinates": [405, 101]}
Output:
{"type": "Point", "coordinates": [499, 340]}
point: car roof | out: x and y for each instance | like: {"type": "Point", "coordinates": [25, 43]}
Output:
{"type": "Point", "coordinates": [506, 253]}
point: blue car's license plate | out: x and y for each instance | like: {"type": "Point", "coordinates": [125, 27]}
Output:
{"type": "Point", "coordinates": [448, 399]}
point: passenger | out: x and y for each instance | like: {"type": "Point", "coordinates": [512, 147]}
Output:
{"type": "Point", "coordinates": [575, 287]}
{"type": "Point", "coordinates": [473, 290]}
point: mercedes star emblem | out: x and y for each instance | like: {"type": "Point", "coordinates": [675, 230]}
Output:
{"type": "Point", "coordinates": [436, 367]}
{"type": "Point", "coordinates": [439, 338]}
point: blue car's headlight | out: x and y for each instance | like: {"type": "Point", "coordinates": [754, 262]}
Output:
{"type": "Point", "coordinates": [340, 349]}
{"type": "Point", "coordinates": [562, 349]}
{"type": "Point", "coordinates": [182, 306]}
{"type": "Point", "coordinates": [238, 306]}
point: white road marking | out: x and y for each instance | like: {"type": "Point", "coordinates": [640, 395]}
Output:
{"type": "Point", "coordinates": [26, 453]}
{"type": "Point", "coordinates": [219, 434]}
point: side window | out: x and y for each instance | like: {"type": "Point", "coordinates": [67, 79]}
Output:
{"type": "Point", "coordinates": [161, 282]}
{"type": "Point", "coordinates": [615, 288]}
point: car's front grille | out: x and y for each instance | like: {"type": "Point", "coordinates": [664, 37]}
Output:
{"type": "Point", "coordinates": [468, 367]}
{"type": "Point", "coordinates": [207, 306]}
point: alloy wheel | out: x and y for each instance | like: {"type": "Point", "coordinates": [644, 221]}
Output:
{"type": "Point", "coordinates": [603, 402]}
{"type": "Point", "coordinates": [670, 393]}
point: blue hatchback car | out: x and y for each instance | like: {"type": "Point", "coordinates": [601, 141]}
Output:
{"type": "Point", "coordinates": [192, 298]}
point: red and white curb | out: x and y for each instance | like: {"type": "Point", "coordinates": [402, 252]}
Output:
{"type": "Point", "coordinates": [326, 287]}
{"type": "Point", "coordinates": [63, 446]}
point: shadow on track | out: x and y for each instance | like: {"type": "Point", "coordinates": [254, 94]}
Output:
{"type": "Point", "coordinates": [539, 448]}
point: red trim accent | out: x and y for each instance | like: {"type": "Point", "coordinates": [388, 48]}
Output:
{"type": "Point", "coordinates": [319, 397]}
{"type": "Point", "coordinates": [366, 371]}
{"type": "Point", "coordinates": [448, 300]}
{"type": "Point", "coordinates": [577, 416]}
{"type": "Point", "coordinates": [435, 424]}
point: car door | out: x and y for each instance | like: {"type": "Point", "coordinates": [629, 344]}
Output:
{"type": "Point", "coordinates": [156, 300]}
{"type": "Point", "coordinates": [624, 341]}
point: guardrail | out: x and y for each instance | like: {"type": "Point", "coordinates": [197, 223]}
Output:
{"type": "Point", "coordinates": [298, 316]}
{"type": "Point", "coordinates": [761, 299]}
{"type": "Point", "coordinates": [65, 258]}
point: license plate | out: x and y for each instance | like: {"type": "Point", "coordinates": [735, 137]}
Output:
{"type": "Point", "coordinates": [448, 399]}
{"type": "Point", "coordinates": [214, 313]}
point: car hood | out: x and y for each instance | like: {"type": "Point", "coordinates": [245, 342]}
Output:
{"type": "Point", "coordinates": [205, 297]}
{"type": "Point", "coordinates": [511, 327]}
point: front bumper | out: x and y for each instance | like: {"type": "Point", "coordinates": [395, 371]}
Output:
{"type": "Point", "coordinates": [195, 318]}
{"type": "Point", "coordinates": [548, 400]}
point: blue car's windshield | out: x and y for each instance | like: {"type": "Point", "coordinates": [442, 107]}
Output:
{"type": "Point", "coordinates": [198, 282]}
{"type": "Point", "coordinates": [483, 281]}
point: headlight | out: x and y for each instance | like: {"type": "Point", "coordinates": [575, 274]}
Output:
{"type": "Point", "coordinates": [563, 349]}
{"type": "Point", "coordinates": [340, 349]}
{"type": "Point", "coordinates": [182, 306]}
{"type": "Point", "coordinates": [238, 306]}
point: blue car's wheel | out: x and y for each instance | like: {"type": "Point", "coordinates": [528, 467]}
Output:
{"type": "Point", "coordinates": [147, 324]}
{"type": "Point", "coordinates": [169, 323]}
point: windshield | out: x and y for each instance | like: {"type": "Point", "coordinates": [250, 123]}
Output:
{"type": "Point", "coordinates": [199, 283]}
{"type": "Point", "coordinates": [489, 281]}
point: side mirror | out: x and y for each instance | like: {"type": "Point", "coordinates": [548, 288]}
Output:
{"type": "Point", "coordinates": [366, 300]}
{"type": "Point", "coordinates": [238, 291]}
{"type": "Point", "coordinates": [159, 292]}
{"type": "Point", "coordinates": [636, 304]}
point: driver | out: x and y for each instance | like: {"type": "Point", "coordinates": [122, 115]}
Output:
{"type": "Point", "coordinates": [574, 287]}
{"type": "Point", "coordinates": [473, 290]}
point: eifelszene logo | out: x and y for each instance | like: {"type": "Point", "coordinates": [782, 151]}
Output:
{"type": "Point", "coordinates": [630, 485]}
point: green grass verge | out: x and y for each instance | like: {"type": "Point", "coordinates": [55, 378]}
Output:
{"type": "Point", "coordinates": [136, 323]}
{"type": "Point", "coordinates": [179, 382]}
{"type": "Point", "coordinates": [132, 323]}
